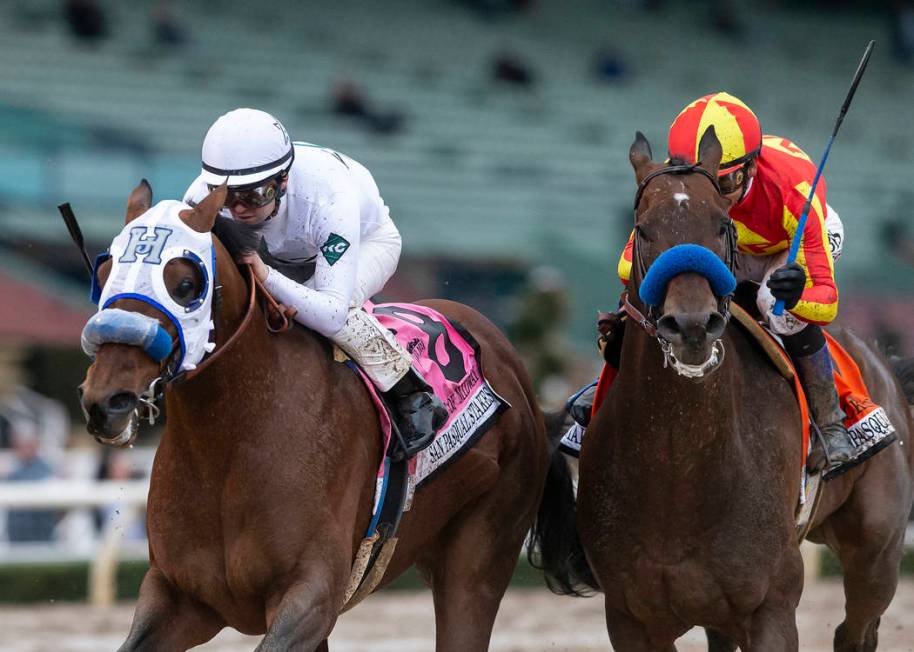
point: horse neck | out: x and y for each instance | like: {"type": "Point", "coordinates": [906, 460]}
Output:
{"type": "Point", "coordinates": [675, 418]}
{"type": "Point", "coordinates": [234, 395]}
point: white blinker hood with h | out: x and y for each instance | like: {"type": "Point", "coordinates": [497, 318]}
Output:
{"type": "Point", "coordinates": [138, 258]}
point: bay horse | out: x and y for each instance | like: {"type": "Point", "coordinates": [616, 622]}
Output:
{"type": "Point", "coordinates": [264, 480]}
{"type": "Point", "coordinates": [689, 481]}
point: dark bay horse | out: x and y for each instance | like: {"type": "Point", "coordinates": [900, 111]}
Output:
{"type": "Point", "coordinates": [688, 485]}
{"type": "Point", "coordinates": [264, 480]}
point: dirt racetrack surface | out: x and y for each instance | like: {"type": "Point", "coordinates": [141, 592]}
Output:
{"type": "Point", "coordinates": [529, 621]}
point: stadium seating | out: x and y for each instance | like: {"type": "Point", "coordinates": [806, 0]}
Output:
{"type": "Point", "coordinates": [479, 170]}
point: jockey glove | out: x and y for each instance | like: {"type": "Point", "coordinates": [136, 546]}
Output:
{"type": "Point", "coordinates": [787, 283]}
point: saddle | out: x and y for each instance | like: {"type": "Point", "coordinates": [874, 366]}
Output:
{"type": "Point", "coordinates": [866, 422]}
{"type": "Point", "coordinates": [449, 359]}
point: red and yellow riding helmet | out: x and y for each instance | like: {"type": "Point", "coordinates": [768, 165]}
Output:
{"type": "Point", "coordinates": [736, 126]}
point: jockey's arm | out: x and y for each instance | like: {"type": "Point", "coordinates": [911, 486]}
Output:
{"type": "Point", "coordinates": [819, 302]}
{"type": "Point", "coordinates": [324, 307]}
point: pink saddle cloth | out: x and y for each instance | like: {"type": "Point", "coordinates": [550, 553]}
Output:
{"type": "Point", "coordinates": [448, 358]}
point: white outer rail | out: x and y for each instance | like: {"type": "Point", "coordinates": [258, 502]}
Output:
{"type": "Point", "coordinates": [75, 494]}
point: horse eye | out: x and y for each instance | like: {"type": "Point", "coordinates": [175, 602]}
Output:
{"type": "Point", "coordinates": [183, 293]}
{"type": "Point", "coordinates": [643, 234]}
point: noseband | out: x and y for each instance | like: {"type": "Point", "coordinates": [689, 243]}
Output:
{"type": "Point", "coordinates": [649, 322]}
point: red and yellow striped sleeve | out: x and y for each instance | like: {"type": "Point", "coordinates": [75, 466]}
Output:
{"type": "Point", "coordinates": [819, 301]}
{"type": "Point", "coordinates": [624, 268]}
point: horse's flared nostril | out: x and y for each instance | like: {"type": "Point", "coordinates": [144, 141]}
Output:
{"type": "Point", "coordinates": [691, 328]}
{"type": "Point", "coordinates": [668, 328]}
{"type": "Point", "coordinates": [95, 419]}
{"type": "Point", "coordinates": [121, 403]}
{"type": "Point", "coordinates": [716, 325]}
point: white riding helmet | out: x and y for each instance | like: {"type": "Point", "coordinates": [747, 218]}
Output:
{"type": "Point", "coordinates": [246, 146]}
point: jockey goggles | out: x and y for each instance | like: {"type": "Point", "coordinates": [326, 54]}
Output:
{"type": "Point", "coordinates": [732, 181]}
{"type": "Point", "coordinates": [251, 197]}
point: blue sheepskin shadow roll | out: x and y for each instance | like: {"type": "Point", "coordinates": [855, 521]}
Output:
{"type": "Point", "coordinates": [679, 260]}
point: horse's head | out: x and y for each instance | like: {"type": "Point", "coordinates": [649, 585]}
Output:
{"type": "Point", "coordinates": [684, 252]}
{"type": "Point", "coordinates": [155, 293]}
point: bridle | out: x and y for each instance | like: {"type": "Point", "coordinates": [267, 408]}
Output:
{"type": "Point", "coordinates": [648, 322]}
{"type": "Point", "coordinates": [731, 259]}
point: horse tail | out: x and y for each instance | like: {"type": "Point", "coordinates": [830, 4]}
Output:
{"type": "Point", "coordinates": [904, 371]}
{"type": "Point", "coordinates": [555, 428]}
{"type": "Point", "coordinates": [553, 545]}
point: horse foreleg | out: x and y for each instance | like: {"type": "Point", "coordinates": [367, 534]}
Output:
{"type": "Point", "coordinates": [166, 619]}
{"type": "Point", "coordinates": [774, 627]}
{"type": "Point", "coordinates": [629, 635]}
{"type": "Point", "coordinates": [302, 617]}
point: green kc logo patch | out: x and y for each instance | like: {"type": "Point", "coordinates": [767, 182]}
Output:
{"type": "Point", "coordinates": [334, 248]}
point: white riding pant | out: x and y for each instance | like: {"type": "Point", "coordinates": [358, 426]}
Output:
{"type": "Point", "coordinates": [362, 337]}
{"type": "Point", "coordinates": [760, 268]}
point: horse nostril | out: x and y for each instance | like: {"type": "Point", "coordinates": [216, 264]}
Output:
{"type": "Point", "coordinates": [668, 327]}
{"type": "Point", "coordinates": [716, 325]}
{"type": "Point", "coordinates": [95, 419]}
{"type": "Point", "coordinates": [121, 402]}
{"type": "Point", "coordinates": [691, 328]}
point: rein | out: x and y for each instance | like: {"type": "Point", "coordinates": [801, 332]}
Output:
{"type": "Point", "coordinates": [648, 322]}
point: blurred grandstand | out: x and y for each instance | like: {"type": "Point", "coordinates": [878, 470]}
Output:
{"type": "Point", "coordinates": [487, 178]}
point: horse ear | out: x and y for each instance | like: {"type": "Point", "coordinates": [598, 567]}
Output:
{"type": "Point", "coordinates": [203, 215]}
{"type": "Point", "coordinates": [710, 151]}
{"type": "Point", "coordinates": [640, 156]}
{"type": "Point", "coordinates": [139, 202]}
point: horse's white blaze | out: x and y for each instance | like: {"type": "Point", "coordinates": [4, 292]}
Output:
{"type": "Point", "coordinates": [680, 197]}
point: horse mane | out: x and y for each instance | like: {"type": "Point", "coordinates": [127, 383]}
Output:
{"type": "Point", "coordinates": [904, 371]}
{"type": "Point", "coordinates": [239, 238]}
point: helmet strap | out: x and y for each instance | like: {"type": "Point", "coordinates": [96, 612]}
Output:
{"type": "Point", "coordinates": [746, 180]}
{"type": "Point", "coordinates": [283, 178]}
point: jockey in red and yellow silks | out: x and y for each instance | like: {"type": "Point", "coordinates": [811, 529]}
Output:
{"type": "Point", "coordinates": [766, 219]}
{"type": "Point", "coordinates": [766, 181]}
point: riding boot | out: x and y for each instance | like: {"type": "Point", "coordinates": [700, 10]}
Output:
{"type": "Point", "coordinates": [580, 405]}
{"type": "Point", "coordinates": [817, 375]}
{"type": "Point", "coordinates": [420, 414]}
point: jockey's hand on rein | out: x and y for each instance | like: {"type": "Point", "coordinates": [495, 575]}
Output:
{"type": "Point", "coordinates": [253, 259]}
{"type": "Point", "coordinates": [787, 283]}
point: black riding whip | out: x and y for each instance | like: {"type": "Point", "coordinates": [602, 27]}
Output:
{"type": "Point", "coordinates": [798, 235]}
{"type": "Point", "coordinates": [75, 232]}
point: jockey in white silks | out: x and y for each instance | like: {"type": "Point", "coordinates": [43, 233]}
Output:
{"type": "Point", "coordinates": [313, 205]}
